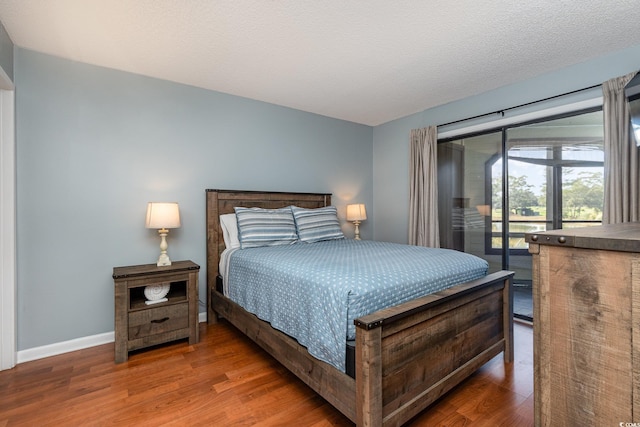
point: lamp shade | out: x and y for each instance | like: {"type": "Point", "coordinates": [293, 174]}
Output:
{"type": "Point", "coordinates": [162, 215]}
{"type": "Point", "coordinates": [356, 212]}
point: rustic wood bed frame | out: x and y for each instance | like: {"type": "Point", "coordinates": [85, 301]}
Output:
{"type": "Point", "coordinates": [407, 356]}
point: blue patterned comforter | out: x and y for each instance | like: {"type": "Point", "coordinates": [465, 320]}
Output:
{"type": "Point", "coordinates": [314, 291]}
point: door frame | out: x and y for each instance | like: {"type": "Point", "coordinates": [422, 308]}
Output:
{"type": "Point", "coordinates": [7, 223]}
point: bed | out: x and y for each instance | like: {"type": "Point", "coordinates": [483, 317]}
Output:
{"type": "Point", "coordinates": [406, 356]}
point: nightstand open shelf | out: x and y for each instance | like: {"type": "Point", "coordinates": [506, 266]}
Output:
{"type": "Point", "coordinates": [139, 325]}
{"type": "Point", "coordinates": [177, 293]}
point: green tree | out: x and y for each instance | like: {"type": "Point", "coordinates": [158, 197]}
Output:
{"type": "Point", "coordinates": [521, 194]}
{"type": "Point", "coordinates": [586, 191]}
{"type": "Point", "coordinates": [496, 193]}
{"type": "Point", "coordinates": [542, 197]}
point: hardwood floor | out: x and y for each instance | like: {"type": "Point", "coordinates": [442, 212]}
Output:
{"type": "Point", "coordinates": [227, 380]}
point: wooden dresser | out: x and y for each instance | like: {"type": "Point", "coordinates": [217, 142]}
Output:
{"type": "Point", "coordinates": [586, 302]}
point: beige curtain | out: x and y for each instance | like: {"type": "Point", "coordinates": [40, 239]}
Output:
{"type": "Point", "coordinates": [423, 190]}
{"type": "Point", "coordinates": [621, 188]}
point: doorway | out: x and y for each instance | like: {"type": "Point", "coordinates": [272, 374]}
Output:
{"type": "Point", "coordinates": [554, 179]}
{"type": "Point", "coordinates": [7, 224]}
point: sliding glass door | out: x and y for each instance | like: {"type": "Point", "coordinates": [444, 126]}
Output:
{"type": "Point", "coordinates": [467, 214]}
{"type": "Point", "coordinates": [554, 179]}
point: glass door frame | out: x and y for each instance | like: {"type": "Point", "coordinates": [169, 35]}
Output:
{"type": "Point", "coordinates": [557, 193]}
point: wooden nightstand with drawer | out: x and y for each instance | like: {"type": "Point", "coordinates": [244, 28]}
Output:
{"type": "Point", "coordinates": [140, 324]}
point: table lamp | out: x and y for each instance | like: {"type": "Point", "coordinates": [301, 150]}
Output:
{"type": "Point", "coordinates": [163, 216]}
{"type": "Point", "coordinates": [355, 214]}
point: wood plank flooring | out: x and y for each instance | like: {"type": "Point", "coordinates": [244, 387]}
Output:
{"type": "Point", "coordinates": [227, 380]}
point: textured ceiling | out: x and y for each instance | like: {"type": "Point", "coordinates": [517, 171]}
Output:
{"type": "Point", "coordinates": [364, 61]}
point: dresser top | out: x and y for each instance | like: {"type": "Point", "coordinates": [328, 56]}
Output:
{"type": "Point", "coordinates": [613, 237]}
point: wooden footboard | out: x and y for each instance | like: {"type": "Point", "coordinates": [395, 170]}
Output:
{"type": "Point", "coordinates": [410, 355]}
{"type": "Point", "coordinates": [406, 356]}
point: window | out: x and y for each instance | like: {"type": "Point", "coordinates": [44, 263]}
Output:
{"type": "Point", "coordinates": [554, 171]}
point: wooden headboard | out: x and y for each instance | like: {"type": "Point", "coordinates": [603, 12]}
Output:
{"type": "Point", "coordinates": [220, 202]}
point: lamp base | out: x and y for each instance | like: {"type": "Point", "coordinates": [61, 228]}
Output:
{"type": "Point", "coordinates": [163, 260]}
{"type": "Point", "coordinates": [357, 224]}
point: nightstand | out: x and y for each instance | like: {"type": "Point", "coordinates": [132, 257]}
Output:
{"type": "Point", "coordinates": [138, 324]}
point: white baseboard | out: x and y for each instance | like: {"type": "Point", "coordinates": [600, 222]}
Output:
{"type": "Point", "coordinates": [64, 347]}
{"type": "Point", "coordinates": [73, 345]}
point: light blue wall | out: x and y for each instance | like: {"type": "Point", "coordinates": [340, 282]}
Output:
{"type": "Point", "coordinates": [94, 145]}
{"type": "Point", "coordinates": [391, 140]}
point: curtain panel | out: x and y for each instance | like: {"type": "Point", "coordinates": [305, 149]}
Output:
{"type": "Point", "coordinates": [423, 190]}
{"type": "Point", "coordinates": [621, 187]}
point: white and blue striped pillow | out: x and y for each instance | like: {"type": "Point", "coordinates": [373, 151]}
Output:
{"type": "Point", "coordinates": [314, 225]}
{"type": "Point", "coordinates": [265, 227]}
